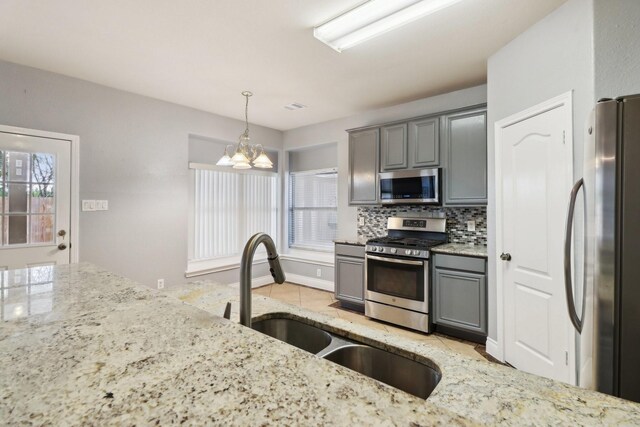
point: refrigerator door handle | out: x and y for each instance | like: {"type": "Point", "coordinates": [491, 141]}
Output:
{"type": "Point", "coordinates": [577, 322]}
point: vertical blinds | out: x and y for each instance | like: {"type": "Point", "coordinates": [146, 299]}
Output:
{"type": "Point", "coordinates": [313, 216]}
{"type": "Point", "coordinates": [229, 208]}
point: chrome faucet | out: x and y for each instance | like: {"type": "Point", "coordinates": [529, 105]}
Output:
{"type": "Point", "coordinates": [245, 272]}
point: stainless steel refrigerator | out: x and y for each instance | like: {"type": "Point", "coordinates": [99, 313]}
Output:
{"type": "Point", "coordinates": [604, 304]}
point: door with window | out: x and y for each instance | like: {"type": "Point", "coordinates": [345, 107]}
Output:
{"type": "Point", "coordinates": [35, 190]}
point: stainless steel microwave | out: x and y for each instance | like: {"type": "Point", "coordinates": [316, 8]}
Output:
{"type": "Point", "coordinates": [411, 186]}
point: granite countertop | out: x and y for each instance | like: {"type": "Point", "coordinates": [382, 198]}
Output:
{"type": "Point", "coordinates": [360, 241]}
{"type": "Point", "coordinates": [81, 345]}
{"type": "Point", "coordinates": [84, 346]}
{"type": "Point", "coordinates": [486, 393]}
{"type": "Point", "coordinates": [461, 249]}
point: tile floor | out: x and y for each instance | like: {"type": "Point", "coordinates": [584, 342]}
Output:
{"type": "Point", "coordinates": [322, 301]}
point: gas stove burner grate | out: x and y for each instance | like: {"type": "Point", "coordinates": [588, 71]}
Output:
{"type": "Point", "coordinates": [405, 241]}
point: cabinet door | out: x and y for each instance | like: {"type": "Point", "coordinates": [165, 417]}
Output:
{"type": "Point", "coordinates": [363, 167]}
{"type": "Point", "coordinates": [393, 147]}
{"type": "Point", "coordinates": [460, 300]}
{"type": "Point", "coordinates": [349, 279]}
{"type": "Point", "coordinates": [465, 143]}
{"type": "Point", "coordinates": [424, 143]}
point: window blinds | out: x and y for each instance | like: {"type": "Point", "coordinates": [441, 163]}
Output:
{"type": "Point", "coordinates": [229, 208]}
{"type": "Point", "coordinates": [313, 216]}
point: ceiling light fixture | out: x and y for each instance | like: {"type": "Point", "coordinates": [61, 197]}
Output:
{"type": "Point", "coordinates": [244, 154]}
{"type": "Point", "coordinates": [373, 18]}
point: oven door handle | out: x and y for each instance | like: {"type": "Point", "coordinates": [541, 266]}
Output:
{"type": "Point", "coordinates": [395, 261]}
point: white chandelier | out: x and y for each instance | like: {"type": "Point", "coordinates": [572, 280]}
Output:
{"type": "Point", "coordinates": [245, 154]}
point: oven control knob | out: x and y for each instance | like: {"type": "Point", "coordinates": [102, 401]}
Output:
{"type": "Point", "coordinates": [393, 250]}
{"type": "Point", "coordinates": [380, 249]}
{"type": "Point", "coordinates": [408, 251]}
{"type": "Point", "coordinates": [416, 252]}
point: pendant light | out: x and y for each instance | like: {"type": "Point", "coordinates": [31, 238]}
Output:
{"type": "Point", "coordinates": [244, 154]}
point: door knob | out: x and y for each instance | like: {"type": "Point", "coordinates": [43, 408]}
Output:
{"type": "Point", "coordinates": [62, 246]}
{"type": "Point", "coordinates": [62, 233]}
{"type": "Point", "coordinates": [505, 257]}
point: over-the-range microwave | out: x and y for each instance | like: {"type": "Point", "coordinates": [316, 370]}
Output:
{"type": "Point", "coordinates": [420, 186]}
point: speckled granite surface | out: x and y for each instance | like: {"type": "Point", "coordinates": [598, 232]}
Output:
{"type": "Point", "coordinates": [361, 241]}
{"type": "Point", "coordinates": [461, 249]}
{"type": "Point", "coordinates": [81, 346]}
{"type": "Point", "coordinates": [481, 391]}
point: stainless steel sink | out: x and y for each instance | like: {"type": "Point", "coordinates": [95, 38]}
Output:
{"type": "Point", "coordinates": [296, 333]}
{"type": "Point", "coordinates": [397, 371]}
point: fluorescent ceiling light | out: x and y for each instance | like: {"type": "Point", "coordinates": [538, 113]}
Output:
{"type": "Point", "coordinates": [373, 18]}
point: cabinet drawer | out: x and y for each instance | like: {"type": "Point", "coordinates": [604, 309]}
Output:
{"type": "Point", "coordinates": [350, 250]}
{"type": "Point", "coordinates": [455, 262]}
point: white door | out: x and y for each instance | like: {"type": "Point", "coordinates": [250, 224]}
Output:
{"type": "Point", "coordinates": [35, 190]}
{"type": "Point", "coordinates": [536, 167]}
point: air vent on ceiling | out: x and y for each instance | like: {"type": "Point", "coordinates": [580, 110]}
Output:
{"type": "Point", "coordinates": [295, 106]}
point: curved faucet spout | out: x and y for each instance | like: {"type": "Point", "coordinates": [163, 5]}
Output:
{"type": "Point", "coordinates": [245, 271]}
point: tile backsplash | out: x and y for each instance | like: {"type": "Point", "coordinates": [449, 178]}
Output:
{"type": "Point", "coordinates": [375, 220]}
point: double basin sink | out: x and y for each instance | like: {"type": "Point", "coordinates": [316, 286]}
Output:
{"type": "Point", "coordinates": [397, 371]}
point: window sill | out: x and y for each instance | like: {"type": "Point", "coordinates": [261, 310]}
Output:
{"type": "Point", "coordinates": [309, 256]}
{"type": "Point", "coordinates": [208, 266]}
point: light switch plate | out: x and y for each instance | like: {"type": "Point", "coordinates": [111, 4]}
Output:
{"type": "Point", "coordinates": [88, 205]}
{"type": "Point", "coordinates": [102, 205]}
{"type": "Point", "coordinates": [471, 226]}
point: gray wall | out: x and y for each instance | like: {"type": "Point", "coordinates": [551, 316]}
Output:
{"type": "Point", "coordinates": [334, 132]}
{"type": "Point", "coordinates": [617, 47]}
{"type": "Point", "coordinates": [308, 269]}
{"type": "Point", "coordinates": [552, 57]}
{"type": "Point", "coordinates": [312, 158]}
{"type": "Point", "coordinates": [133, 152]}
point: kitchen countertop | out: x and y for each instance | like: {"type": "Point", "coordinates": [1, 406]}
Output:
{"type": "Point", "coordinates": [96, 348]}
{"type": "Point", "coordinates": [461, 249]}
{"type": "Point", "coordinates": [86, 346]}
{"type": "Point", "coordinates": [356, 242]}
{"type": "Point", "coordinates": [484, 392]}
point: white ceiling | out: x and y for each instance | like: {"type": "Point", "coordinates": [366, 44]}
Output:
{"type": "Point", "coordinates": [203, 53]}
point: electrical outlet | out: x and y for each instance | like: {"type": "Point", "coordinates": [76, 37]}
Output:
{"type": "Point", "coordinates": [88, 205]}
{"type": "Point", "coordinates": [471, 226]}
{"type": "Point", "coordinates": [102, 205]}
{"type": "Point", "coordinates": [160, 283]}
{"type": "Point", "coordinates": [361, 221]}
{"type": "Point", "coordinates": [319, 272]}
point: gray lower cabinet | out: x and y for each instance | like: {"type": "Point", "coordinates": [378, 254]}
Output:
{"type": "Point", "coordinates": [393, 147]}
{"type": "Point", "coordinates": [460, 296]}
{"type": "Point", "coordinates": [363, 167]}
{"type": "Point", "coordinates": [465, 152]}
{"type": "Point", "coordinates": [424, 143]}
{"type": "Point", "coordinates": [349, 275]}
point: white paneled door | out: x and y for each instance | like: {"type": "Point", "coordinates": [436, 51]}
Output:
{"type": "Point", "coordinates": [35, 193]}
{"type": "Point", "coordinates": [535, 180]}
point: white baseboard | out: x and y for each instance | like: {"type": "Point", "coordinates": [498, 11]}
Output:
{"type": "Point", "coordinates": [493, 349]}
{"type": "Point", "coordinates": [256, 282]}
{"type": "Point", "coordinates": [312, 282]}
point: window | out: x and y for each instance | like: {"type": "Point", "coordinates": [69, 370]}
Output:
{"type": "Point", "coordinates": [229, 208]}
{"type": "Point", "coordinates": [313, 209]}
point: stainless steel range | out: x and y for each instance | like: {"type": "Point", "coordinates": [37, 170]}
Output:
{"type": "Point", "coordinates": [397, 271]}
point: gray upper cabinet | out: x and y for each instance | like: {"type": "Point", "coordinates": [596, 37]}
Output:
{"type": "Point", "coordinates": [363, 167]}
{"type": "Point", "coordinates": [393, 147]}
{"type": "Point", "coordinates": [424, 143]}
{"type": "Point", "coordinates": [465, 157]}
